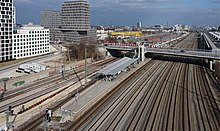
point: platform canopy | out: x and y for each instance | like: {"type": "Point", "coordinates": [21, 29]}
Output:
{"type": "Point", "coordinates": [114, 68]}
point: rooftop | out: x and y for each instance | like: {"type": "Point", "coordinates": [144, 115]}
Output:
{"type": "Point", "coordinates": [116, 67]}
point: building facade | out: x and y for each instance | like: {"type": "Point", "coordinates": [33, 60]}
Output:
{"type": "Point", "coordinates": [30, 40]}
{"type": "Point", "coordinates": [6, 27]}
{"type": "Point", "coordinates": [14, 16]}
{"type": "Point", "coordinates": [51, 19]}
{"type": "Point", "coordinates": [56, 35]}
{"type": "Point", "coordinates": [75, 15]}
{"type": "Point", "coordinates": [75, 23]}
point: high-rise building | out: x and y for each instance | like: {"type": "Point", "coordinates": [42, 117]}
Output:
{"type": "Point", "coordinates": [51, 19]}
{"type": "Point", "coordinates": [75, 22]}
{"type": "Point", "coordinates": [6, 27]}
{"type": "Point", "coordinates": [75, 15]}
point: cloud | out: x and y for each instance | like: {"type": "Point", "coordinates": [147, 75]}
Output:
{"type": "Point", "coordinates": [116, 5]}
{"type": "Point", "coordinates": [116, 11]}
{"type": "Point", "coordinates": [216, 2]}
{"type": "Point", "coordinates": [41, 2]}
{"type": "Point", "coordinates": [135, 5]}
{"type": "Point", "coordinates": [126, 3]}
{"type": "Point", "coordinates": [24, 1]}
{"type": "Point", "coordinates": [140, 5]}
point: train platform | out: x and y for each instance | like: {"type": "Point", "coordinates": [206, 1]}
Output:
{"type": "Point", "coordinates": [81, 102]}
{"type": "Point", "coordinates": [116, 67]}
{"type": "Point", "coordinates": [212, 45]}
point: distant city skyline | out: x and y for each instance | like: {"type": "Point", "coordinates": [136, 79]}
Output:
{"type": "Point", "coordinates": [129, 12]}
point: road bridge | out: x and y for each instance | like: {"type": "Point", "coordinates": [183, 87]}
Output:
{"type": "Point", "coordinates": [210, 55]}
{"type": "Point", "coordinates": [119, 46]}
{"type": "Point", "coordinates": [204, 54]}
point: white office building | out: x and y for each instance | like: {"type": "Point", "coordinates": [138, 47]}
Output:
{"type": "Point", "coordinates": [6, 29]}
{"type": "Point", "coordinates": [30, 40]}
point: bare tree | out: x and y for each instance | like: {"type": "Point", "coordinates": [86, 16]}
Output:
{"type": "Point", "coordinates": [77, 51]}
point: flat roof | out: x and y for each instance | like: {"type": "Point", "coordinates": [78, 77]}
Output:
{"type": "Point", "coordinates": [211, 43]}
{"type": "Point", "coordinates": [74, 1]}
{"type": "Point", "coordinates": [114, 68]}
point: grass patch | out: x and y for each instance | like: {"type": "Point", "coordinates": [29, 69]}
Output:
{"type": "Point", "coordinates": [18, 83]}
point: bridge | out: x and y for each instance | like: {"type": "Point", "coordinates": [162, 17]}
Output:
{"type": "Point", "coordinates": [121, 46]}
{"type": "Point", "coordinates": [204, 54]}
{"type": "Point", "coordinates": [212, 54]}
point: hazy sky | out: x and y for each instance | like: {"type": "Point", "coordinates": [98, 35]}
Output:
{"type": "Point", "coordinates": [129, 12]}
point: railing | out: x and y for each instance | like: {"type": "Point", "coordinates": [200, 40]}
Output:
{"type": "Point", "coordinates": [121, 47]}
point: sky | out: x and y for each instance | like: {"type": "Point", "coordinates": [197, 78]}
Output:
{"type": "Point", "coordinates": [129, 12]}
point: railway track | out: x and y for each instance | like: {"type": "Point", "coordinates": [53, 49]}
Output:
{"type": "Point", "coordinates": [48, 81]}
{"type": "Point", "coordinates": [164, 106]}
{"type": "Point", "coordinates": [37, 119]}
{"type": "Point", "coordinates": [122, 104]}
{"type": "Point", "coordinates": [43, 88]}
{"type": "Point", "coordinates": [162, 96]}
{"type": "Point", "coordinates": [96, 110]}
